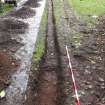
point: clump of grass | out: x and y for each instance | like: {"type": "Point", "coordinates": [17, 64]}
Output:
{"type": "Point", "coordinates": [5, 9]}
{"type": "Point", "coordinates": [40, 43]}
{"type": "Point", "coordinates": [58, 9]}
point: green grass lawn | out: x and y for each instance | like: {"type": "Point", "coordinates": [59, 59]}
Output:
{"type": "Point", "coordinates": [88, 7]}
{"type": "Point", "coordinates": [40, 43]}
{"type": "Point", "coordinates": [6, 8]}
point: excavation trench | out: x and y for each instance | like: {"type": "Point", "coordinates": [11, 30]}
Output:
{"type": "Point", "coordinates": [49, 91]}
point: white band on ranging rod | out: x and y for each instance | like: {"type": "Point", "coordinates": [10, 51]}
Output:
{"type": "Point", "coordinates": [73, 78]}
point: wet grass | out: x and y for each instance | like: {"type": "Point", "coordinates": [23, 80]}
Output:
{"type": "Point", "coordinates": [40, 43]}
{"type": "Point", "coordinates": [5, 9]}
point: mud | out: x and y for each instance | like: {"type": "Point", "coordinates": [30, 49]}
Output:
{"type": "Point", "coordinates": [10, 46]}
{"type": "Point", "coordinates": [11, 33]}
{"type": "Point", "coordinates": [20, 45]}
{"type": "Point", "coordinates": [8, 65]}
{"type": "Point", "coordinates": [88, 61]}
{"type": "Point", "coordinates": [93, 67]}
{"type": "Point", "coordinates": [24, 12]}
{"type": "Point", "coordinates": [9, 30]}
{"type": "Point", "coordinates": [49, 81]}
{"type": "Point", "coordinates": [32, 3]}
{"type": "Point", "coordinates": [52, 84]}
{"type": "Point", "coordinates": [12, 26]}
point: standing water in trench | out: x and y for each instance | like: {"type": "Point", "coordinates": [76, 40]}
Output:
{"type": "Point", "coordinates": [16, 91]}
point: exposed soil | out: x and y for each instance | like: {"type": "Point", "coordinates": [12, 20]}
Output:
{"type": "Point", "coordinates": [88, 59]}
{"type": "Point", "coordinates": [12, 26]}
{"type": "Point", "coordinates": [8, 65]}
{"type": "Point", "coordinates": [9, 33]}
{"type": "Point", "coordinates": [14, 43]}
{"type": "Point", "coordinates": [24, 12]}
{"type": "Point", "coordinates": [10, 45]}
{"type": "Point", "coordinates": [32, 3]}
{"type": "Point", "coordinates": [53, 84]}
{"type": "Point", "coordinates": [48, 85]}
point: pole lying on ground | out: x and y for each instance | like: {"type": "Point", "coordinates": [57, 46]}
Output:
{"type": "Point", "coordinates": [73, 78]}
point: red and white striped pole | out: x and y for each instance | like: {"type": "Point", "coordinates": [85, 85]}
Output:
{"type": "Point", "coordinates": [73, 78]}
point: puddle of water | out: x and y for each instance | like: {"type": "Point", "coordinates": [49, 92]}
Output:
{"type": "Point", "coordinates": [16, 90]}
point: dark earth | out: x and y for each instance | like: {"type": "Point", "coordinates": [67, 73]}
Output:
{"type": "Point", "coordinates": [52, 84]}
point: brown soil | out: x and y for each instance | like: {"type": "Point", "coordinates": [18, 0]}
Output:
{"type": "Point", "coordinates": [10, 29]}
{"type": "Point", "coordinates": [89, 62]}
{"type": "Point", "coordinates": [24, 12]}
{"type": "Point", "coordinates": [9, 32]}
{"type": "Point", "coordinates": [32, 3]}
{"type": "Point", "coordinates": [53, 84]}
{"type": "Point", "coordinates": [8, 66]}
{"type": "Point", "coordinates": [48, 89]}
{"type": "Point", "coordinates": [10, 45]}
{"type": "Point", "coordinates": [12, 26]}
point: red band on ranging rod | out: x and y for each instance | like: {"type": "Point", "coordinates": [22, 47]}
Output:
{"type": "Point", "coordinates": [73, 78]}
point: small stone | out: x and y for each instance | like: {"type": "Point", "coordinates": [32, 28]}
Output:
{"type": "Point", "coordinates": [94, 16]}
{"type": "Point", "coordinates": [13, 63]}
{"type": "Point", "coordinates": [90, 86]}
{"type": "Point", "coordinates": [87, 67]}
{"type": "Point", "coordinates": [102, 87]}
{"type": "Point", "coordinates": [101, 79]}
{"type": "Point", "coordinates": [2, 94]}
{"type": "Point", "coordinates": [52, 54]}
{"type": "Point", "coordinates": [4, 50]}
{"type": "Point", "coordinates": [82, 92]}
{"type": "Point", "coordinates": [87, 72]}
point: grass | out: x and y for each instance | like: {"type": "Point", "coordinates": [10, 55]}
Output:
{"type": "Point", "coordinates": [58, 10]}
{"type": "Point", "coordinates": [6, 8]}
{"type": "Point", "coordinates": [40, 43]}
{"type": "Point", "coordinates": [88, 7]}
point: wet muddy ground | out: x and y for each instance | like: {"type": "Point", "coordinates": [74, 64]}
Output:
{"type": "Point", "coordinates": [9, 44]}
{"type": "Point", "coordinates": [48, 83]}
{"type": "Point", "coordinates": [15, 47]}
{"type": "Point", "coordinates": [52, 84]}
{"type": "Point", "coordinates": [8, 65]}
{"type": "Point", "coordinates": [88, 62]}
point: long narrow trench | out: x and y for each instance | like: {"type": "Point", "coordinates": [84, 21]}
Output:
{"type": "Point", "coordinates": [50, 90]}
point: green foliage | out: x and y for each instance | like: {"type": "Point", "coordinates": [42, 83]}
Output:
{"type": "Point", "coordinates": [58, 9]}
{"type": "Point", "coordinates": [40, 43]}
{"type": "Point", "coordinates": [6, 8]}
